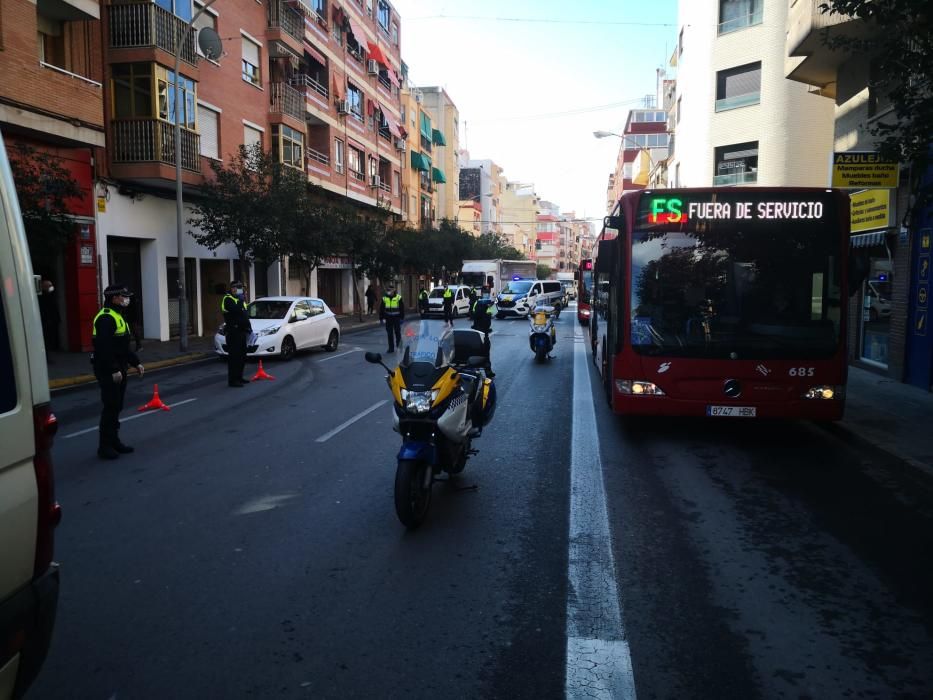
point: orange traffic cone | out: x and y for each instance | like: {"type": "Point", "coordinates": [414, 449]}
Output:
{"type": "Point", "coordinates": [155, 401]}
{"type": "Point", "coordinates": [261, 373]}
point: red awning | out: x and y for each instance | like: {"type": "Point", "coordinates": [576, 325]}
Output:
{"type": "Point", "coordinates": [393, 125]}
{"type": "Point", "coordinates": [393, 78]}
{"type": "Point", "coordinates": [315, 54]}
{"type": "Point", "coordinates": [338, 89]}
{"type": "Point", "coordinates": [357, 31]}
{"type": "Point", "coordinates": [370, 107]}
{"type": "Point", "coordinates": [376, 53]}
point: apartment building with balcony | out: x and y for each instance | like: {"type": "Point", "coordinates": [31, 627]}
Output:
{"type": "Point", "coordinates": [547, 235]}
{"type": "Point", "coordinates": [737, 120]}
{"type": "Point", "coordinates": [51, 101]}
{"type": "Point", "coordinates": [315, 82]}
{"type": "Point", "coordinates": [446, 122]}
{"type": "Point", "coordinates": [422, 176]}
{"type": "Point", "coordinates": [483, 186]}
{"type": "Point", "coordinates": [520, 208]}
{"type": "Point", "coordinates": [643, 141]}
{"type": "Point", "coordinates": [888, 315]}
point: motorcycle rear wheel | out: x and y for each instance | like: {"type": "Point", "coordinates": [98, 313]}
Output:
{"type": "Point", "coordinates": [412, 498]}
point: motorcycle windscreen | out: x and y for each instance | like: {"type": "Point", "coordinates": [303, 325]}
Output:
{"type": "Point", "coordinates": [427, 340]}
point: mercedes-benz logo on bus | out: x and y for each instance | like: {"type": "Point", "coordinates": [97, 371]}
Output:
{"type": "Point", "coordinates": [732, 388]}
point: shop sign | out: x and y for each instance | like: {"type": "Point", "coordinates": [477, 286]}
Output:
{"type": "Point", "coordinates": [336, 262]}
{"type": "Point", "coordinates": [87, 255]}
{"type": "Point", "coordinates": [871, 210]}
{"type": "Point", "coordinates": [858, 170]}
{"type": "Point", "coordinates": [101, 205]}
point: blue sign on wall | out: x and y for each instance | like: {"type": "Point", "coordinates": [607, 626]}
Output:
{"type": "Point", "coordinates": [919, 339]}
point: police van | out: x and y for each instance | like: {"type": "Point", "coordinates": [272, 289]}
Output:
{"type": "Point", "coordinates": [28, 510]}
{"type": "Point", "coordinates": [519, 297]}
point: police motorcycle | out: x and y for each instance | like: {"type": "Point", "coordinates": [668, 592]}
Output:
{"type": "Point", "coordinates": [443, 400]}
{"type": "Point", "coordinates": [543, 334]}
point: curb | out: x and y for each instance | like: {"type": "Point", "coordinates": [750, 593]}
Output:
{"type": "Point", "coordinates": [191, 357]}
{"type": "Point", "coordinates": [844, 432]}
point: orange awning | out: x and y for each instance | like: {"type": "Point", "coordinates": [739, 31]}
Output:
{"type": "Point", "coordinates": [357, 31]}
{"type": "Point", "coordinates": [376, 53]}
{"type": "Point", "coordinates": [393, 78]}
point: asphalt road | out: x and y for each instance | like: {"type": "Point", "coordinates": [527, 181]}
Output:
{"type": "Point", "coordinates": [250, 549]}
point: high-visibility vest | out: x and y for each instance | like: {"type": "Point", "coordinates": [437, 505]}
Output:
{"type": "Point", "coordinates": [122, 328]}
{"type": "Point", "coordinates": [448, 294]}
{"type": "Point", "coordinates": [390, 303]}
{"type": "Point", "coordinates": [423, 294]}
{"type": "Point", "coordinates": [223, 303]}
{"type": "Point", "coordinates": [481, 301]}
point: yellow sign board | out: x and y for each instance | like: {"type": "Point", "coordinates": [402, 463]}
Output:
{"type": "Point", "coordinates": [101, 205]}
{"type": "Point", "coordinates": [858, 170]}
{"type": "Point", "coordinates": [871, 210]}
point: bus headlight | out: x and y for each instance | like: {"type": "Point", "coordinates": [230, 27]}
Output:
{"type": "Point", "coordinates": [823, 391]}
{"type": "Point", "coordinates": [637, 388]}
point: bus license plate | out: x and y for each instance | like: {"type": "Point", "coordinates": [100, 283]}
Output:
{"type": "Point", "coordinates": [731, 411]}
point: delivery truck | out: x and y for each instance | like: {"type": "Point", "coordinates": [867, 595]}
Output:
{"type": "Point", "coordinates": [495, 273]}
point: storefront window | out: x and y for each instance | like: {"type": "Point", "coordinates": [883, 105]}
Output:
{"type": "Point", "coordinates": [876, 312]}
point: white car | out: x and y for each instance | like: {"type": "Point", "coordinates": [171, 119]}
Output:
{"type": "Point", "coordinates": [284, 325]}
{"type": "Point", "coordinates": [461, 300]}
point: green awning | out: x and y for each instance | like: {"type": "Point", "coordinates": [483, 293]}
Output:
{"type": "Point", "coordinates": [437, 175]}
{"type": "Point", "coordinates": [437, 138]}
{"type": "Point", "coordinates": [420, 162]}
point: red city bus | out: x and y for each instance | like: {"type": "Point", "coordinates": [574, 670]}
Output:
{"type": "Point", "coordinates": [723, 302]}
{"type": "Point", "coordinates": [584, 287]}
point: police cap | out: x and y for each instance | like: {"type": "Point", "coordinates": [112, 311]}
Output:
{"type": "Point", "coordinates": [117, 290]}
{"type": "Point", "coordinates": [235, 283]}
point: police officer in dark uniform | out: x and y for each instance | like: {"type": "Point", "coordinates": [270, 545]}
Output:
{"type": "Point", "coordinates": [111, 360]}
{"type": "Point", "coordinates": [237, 330]}
{"type": "Point", "coordinates": [423, 301]}
{"type": "Point", "coordinates": [392, 312]}
{"type": "Point", "coordinates": [448, 300]}
{"type": "Point", "coordinates": [482, 311]}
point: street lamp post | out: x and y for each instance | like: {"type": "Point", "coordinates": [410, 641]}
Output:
{"type": "Point", "coordinates": [180, 38]}
{"type": "Point", "coordinates": [626, 139]}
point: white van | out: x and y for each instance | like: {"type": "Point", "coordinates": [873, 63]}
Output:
{"type": "Point", "coordinates": [28, 510]}
{"type": "Point", "coordinates": [519, 297]}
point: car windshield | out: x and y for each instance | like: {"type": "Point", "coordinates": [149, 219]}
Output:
{"type": "Point", "coordinates": [438, 293]}
{"type": "Point", "coordinates": [427, 341]}
{"type": "Point", "coordinates": [517, 287]}
{"type": "Point", "coordinates": [269, 309]}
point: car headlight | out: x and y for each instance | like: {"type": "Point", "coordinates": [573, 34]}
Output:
{"type": "Point", "coordinates": [638, 388]}
{"type": "Point", "coordinates": [824, 392]}
{"type": "Point", "coordinates": [269, 331]}
{"type": "Point", "coordinates": [419, 401]}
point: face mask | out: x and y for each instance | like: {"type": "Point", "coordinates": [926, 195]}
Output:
{"type": "Point", "coordinates": [239, 292]}
{"type": "Point", "coordinates": [125, 302]}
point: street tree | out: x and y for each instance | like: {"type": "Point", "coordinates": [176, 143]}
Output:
{"type": "Point", "coordinates": [241, 205]}
{"type": "Point", "coordinates": [543, 271]}
{"type": "Point", "coordinates": [899, 40]}
{"type": "Point", "coordinates": [44, 188]}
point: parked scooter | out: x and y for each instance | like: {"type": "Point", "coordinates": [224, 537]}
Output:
{"type": "Point", "coordinates": [440, 407]}
{"type": "Point", "coordinates": [543, 335]}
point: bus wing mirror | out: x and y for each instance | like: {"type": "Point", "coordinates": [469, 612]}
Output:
{"type": "Point", "coordinates": [614, 222]}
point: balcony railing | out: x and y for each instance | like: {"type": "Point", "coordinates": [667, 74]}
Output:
{"type": "Point", "coordinates": [727, 103]}
{"type": "Point", "coordinates": [740, 178]}
{"type": "Point", "coordinates": [289, 20]}
{"type": "Point", "coordinates": [152, 140]}
{"type": "Point", "coordinates": [286, 100]}
{"type": "Point", "coordinates": [310, 84]}
{"type": "Point", "coordinates": [145, 24]}
{"type": "Point", "coordinates": [745, 20]}
{"type": "Point", "coordinates": [314, 155]}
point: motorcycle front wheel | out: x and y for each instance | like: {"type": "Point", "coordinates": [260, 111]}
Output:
{"type": "Point", "coordinates": [540, 354]}
{"type": "Point", "coordinates": [412, 492]}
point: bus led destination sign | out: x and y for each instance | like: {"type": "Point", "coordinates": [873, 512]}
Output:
{"type": "Point", "coordinates": [675, 210]}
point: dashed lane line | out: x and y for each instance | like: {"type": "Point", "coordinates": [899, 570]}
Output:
{"type": "Point", "coordinates": [327, 436]}
{"type": "Point", "coordinates": [127, 419]}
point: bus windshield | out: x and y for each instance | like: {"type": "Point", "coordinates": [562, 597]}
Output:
{"type": "Point", "coordinates": [705, 283]}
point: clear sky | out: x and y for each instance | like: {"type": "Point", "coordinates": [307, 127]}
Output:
{"type": "Point", "coordinates": [533, 79]}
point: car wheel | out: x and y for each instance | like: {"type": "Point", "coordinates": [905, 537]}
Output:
{"type": "Point", "coordinates": [288, 348]}
{"type": "Point", "coordinates": [332, 340]}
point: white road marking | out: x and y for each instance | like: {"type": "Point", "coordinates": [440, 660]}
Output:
{"type": "Point", "coordinates": [334, 357]}
{"type": "Point", "coordinates": [258, 505]}
{"type": "Point", "coordinates": [599, 664]}
{"type": "Point", "coordinates": [327, 436]}
{"type": "Point", "coordinates": [128, 418]}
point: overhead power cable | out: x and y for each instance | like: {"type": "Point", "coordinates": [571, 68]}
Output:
{"type": "Point", "coordinates": [544, 20]}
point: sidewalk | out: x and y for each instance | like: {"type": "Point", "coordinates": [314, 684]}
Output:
{"type": "Point", "coordinates": [74, 368]}
{"type": "Point", "coordinates": [894, 417]}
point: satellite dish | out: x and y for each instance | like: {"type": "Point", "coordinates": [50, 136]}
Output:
{"type": "Point", "coordinates": [209, 43]}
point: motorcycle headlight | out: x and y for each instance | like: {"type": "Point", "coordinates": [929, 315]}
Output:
{"type": "Point", "coordinates": [269, 331]}
{"type": "Point", "coordinates": [539, 327]}
{"type": "Point", "coordinates": [418, 401]}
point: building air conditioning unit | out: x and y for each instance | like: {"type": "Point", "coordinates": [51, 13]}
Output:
{"type": "Point", "coordinates": [343, 107]}
{"type": "Point", "coordinates": [372, 66]}
{"type": "Point", "coordinates": [400, 144]}
{"type": "Point", "coordinates": [375, 182]}
{"type": "Point", "coordinates": [419, 97]}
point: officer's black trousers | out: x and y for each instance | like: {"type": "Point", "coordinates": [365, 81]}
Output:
{"type": "Point", "coordinates": [236, 357]}
{"type": "Point", "coordinates": [448, 313]}
{"type": "Point", "coordinates": [111, 396]}
{"type": "Point", "coordinates": [394, 331]}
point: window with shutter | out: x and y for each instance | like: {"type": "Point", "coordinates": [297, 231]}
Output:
{"type": "Point", "coordinates": [208, 121]}
{"type": "Point", "coordinates": [251, 62]}
{"type": "Point", "coordinates": [738, 87]}
{"type": "Point", "coordinates": [251, 136]}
